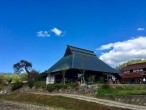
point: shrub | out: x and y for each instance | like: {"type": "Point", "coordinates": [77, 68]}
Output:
{"type": "Point", "coordinates": [61, 86]}
{"type": "Point", "coordinates": [30, 84]}
{"type": "Point", "coordinates": [40, 84]}
{"type": "Point", "coordinates": [50, 87]}
{"type": "Point", "coordinates": [73, 85]}
{"type": "Point", "coordinates": [16, 86]}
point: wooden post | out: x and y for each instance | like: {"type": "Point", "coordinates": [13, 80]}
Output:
{"type": "Point", "coordinates": [63, 77]}
{"type": "Point", "coordinates": [83, 78]}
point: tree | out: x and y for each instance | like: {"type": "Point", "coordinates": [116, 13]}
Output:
{"type": "Point", "coordinates": [34, 75]}
{"type": "Point", "coordinates": [21, 66]}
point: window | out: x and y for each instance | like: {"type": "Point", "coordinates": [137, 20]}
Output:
{"type": "Point", "coordinates": [134, 70]}
{"type": "Point", "coordinates": [140, 69]}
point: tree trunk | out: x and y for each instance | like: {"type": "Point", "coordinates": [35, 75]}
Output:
{"type": "Point", "coordinates": [28, 74]}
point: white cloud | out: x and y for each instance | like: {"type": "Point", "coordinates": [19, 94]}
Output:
{"type": "Point", "coordinates": [105, 47]}
{"type": "Point", "coordinates": [56, 31]}
{"type": "Point", "coordinates": [120, 52]}
{"type": "Point", "coordinates": [43, 34]}
{"type": "Point", "coordinates": [140, 29]}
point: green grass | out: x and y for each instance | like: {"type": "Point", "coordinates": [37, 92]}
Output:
{"type": "Point", "coordinates": [103, 91]}
{"type": "Point", "coordinates": [56, 102]}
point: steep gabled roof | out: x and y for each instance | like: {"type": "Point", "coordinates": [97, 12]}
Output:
{"type": "Point", "coordinates": [90, 62]}
{"type": "Point", "coordinates": [76, 58]}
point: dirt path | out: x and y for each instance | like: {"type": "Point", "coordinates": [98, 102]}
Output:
{"type": "Point", "coordinates": [8, 105]}
{"type": "Point", "coordinates": [100, 101]}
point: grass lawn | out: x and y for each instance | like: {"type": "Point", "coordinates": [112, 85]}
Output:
{"type": "Point", "coordinates": [56, 102]}
{"type": "Point", "coordinates": [108, 90]}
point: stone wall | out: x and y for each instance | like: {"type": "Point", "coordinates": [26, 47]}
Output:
{"type": "Point", "coordinates": [83, 89]}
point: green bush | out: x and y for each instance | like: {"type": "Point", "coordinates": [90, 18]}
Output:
{"type": "Point", "coordinates": [50, 87]}
{"type": "Point", "coordinates": [30, 84]}
{"type": "Point", "coordinates": [16, 86]}
{"type": "Point", "coordinates": [61, 86]}
{"type": "Point", "coordinates": [40, 84]}
{"type": "Point", "coordinates": [73, 85]}
{"type": "Point", "coordinates": [57, 86]}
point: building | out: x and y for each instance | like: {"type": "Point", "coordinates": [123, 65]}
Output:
{"type": "Point", "coordinates": [80, 65]}
{"type": "Point", "coordinates": [134, 73]}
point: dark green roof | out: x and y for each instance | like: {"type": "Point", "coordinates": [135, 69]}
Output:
{"type": "Point", "coordinates": [76, 58]}
{"type": "Point", "coordinates": [79, 50]}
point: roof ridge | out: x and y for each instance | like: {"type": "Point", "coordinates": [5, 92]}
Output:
{"type": "Point", "coordinates": [80, 48]}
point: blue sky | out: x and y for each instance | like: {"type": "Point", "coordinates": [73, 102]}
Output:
{"type": "Point", "coordinates": [39, 30]}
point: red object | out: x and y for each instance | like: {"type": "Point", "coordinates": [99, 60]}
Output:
{"type": "Point", "coordinates": [109, 82]}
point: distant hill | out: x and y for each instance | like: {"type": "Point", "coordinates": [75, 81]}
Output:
{"type": "Point", "coordinates": [6, 73]}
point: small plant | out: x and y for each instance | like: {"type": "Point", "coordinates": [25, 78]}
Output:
{"type": "Point", "coordinates": [62, 86]}
{"type": "Point", "coordinates": [73, 85]}
{"type": "Point", "coordinates": [30, 84]}
{"type": "Point", "coordinates": [50, 87]}
{"type": "Point", "coordinates": [16, 86]}
{"type": "Point", "coordinates": [40, 84]}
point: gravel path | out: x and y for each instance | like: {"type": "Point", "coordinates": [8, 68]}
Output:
{"type": "Point", "coordinates": [8, 105]}
{"type": "Point", "coordinates": [101, 101]}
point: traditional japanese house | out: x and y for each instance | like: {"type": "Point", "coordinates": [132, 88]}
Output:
{"type": "Point", "coordinates": [80, 65]}
{"type": "Point", "coordinates": [134, 73]}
